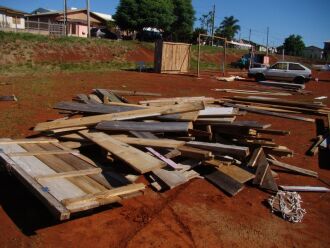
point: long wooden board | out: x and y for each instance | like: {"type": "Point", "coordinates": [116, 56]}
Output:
{"type": "Point", "coordinates": [134, 114]}
{"type": "Point", "coordinates": [144, 126]}
{"type": "Point", "coordinates": [140, 161]}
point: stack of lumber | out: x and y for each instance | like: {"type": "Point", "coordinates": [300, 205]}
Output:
{"type": "Point", "coordinates": [168, 140]}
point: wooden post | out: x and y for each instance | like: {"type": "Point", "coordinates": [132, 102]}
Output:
{"type": "Point", "coordinates": [15, 23]}
{"type": "Point", "coordinates": [88, 20]}
{"type": "Point", "coordinates": [224, 56]}
{"type": "Point", "coordinates": [38, 25]}
{"type": "Point", "coordinates": [199, 54]}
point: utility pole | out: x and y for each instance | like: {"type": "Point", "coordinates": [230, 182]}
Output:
{"type": "Point", "coordinates": [213, 18]}
{"type": "Point", "coordinates": [250, 36]}
{"type": "Point", "coordinates": [267, 40]}
{"type": "Point", "coordinates": [64, 17]}
{"type": "Point", "coordinates": [88, 20]}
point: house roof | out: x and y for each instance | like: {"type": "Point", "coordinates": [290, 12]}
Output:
{"type": "Point", "coordinates": [41, 10]}
{"type": "Point", "coordinates": [106, 17]}
{"type": "Point", "coordinates": [11, 11]}
{"type": "Point", "coordinates": [313, 47]}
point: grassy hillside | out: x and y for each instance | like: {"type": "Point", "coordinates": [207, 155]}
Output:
{"type": "Point", "coordinates": [23, 52]}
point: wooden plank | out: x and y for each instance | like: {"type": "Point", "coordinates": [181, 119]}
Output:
{"type": "Point", "coordinates": [140, 161]}
{"type": "Point", "coordinates": [84, 183]}
{"type": "Point", "coordinates": [28, 141]}
{"type": "Point", "coordinates": [315, 148]}
{"type": "Point", "coordinates": [134, 114]}
{"type": "Point", "coordinates": [144, 126]}
{"type": "Point", "coordinates": [106, 94]}
{"type": "Point", "coordinates": [293, 168]}
{"type": "Point", "coordinates": [305, 188]}
{"type": "Point", "coordinates": [224, 182]}
{"type": "Point", "coordinates": [276, 101]}
{"type": "Point", "coordinates": [192, 152]}
{"type": "Point", "coordinates": [231, 170]}
{"type": "Point", "coordinates": [254, 157]}
{"type": "Point", "coordinates": [232, 150]}
{"type": "Point", "coordinates": [159, 143]}
{"type": "Point", "coordinates": [213, 121]}
{"type": "Point", "coordinates": [21, 154]}
{"type": "Point", "coordinates": [216, 111]}
{"type": "Point", "coordinates": [273, 131]}
{"type": "Point", "coordinates": [55, 206]}
{"type": "Point", "coordinates": [69, 174]}
{"type": "Point", "coordinates": [134, 93]}
{"type": "Point", "coordinates": [263, 177]}
{"type": "Point", "coordinates": [171, 178]}
{"type": "Point", "coordinates": [264, 112]}
{"type": "Point", "coordinates": [282, 84]}
{"type": "Point", "coordinates": [101, 198]}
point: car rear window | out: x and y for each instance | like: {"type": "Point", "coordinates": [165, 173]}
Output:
{"type": "Point", "coordinates": [296, 67]}
{"type": "Point", "coordinates": [279, 66]}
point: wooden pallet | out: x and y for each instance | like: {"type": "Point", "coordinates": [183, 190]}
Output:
{"type": "Point", "coordinates": [65, 181]}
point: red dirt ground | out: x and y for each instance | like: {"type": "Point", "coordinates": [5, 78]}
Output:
{"type": "Point", "coordinates": [196, 214]}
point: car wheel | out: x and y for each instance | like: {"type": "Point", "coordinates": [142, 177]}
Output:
{"type": "Point", "coordinates": [299, 80]}
{"type": "Point", "coordinates": [260, 77]}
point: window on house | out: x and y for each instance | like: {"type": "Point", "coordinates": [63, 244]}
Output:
{"type": "Point", "coordinates": [295, 67]}
{"type": "Point", "coordinates": [16, 20]}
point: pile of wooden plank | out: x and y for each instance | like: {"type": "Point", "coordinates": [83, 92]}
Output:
{"type": "Point", "coordinates": [168, 140]}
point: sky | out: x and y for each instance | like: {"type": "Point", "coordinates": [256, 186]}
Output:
{"type": "Point", "coordinates": [308, 18]}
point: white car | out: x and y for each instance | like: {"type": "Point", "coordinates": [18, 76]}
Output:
{"type": "Point", "coordinates": [284, 71]}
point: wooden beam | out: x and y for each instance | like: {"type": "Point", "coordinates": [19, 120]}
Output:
{"type": "Point", "coordinates": [160, 143]}
{"type": "Point", "coordinates": [101, 198]}
{"type": "Point", "coordinates": [192, 152]}
{"type": "Point", "coordinates": [304, 188]}
{"type": "Point", "coordinates": [140, 161]}
{"type": "Point", "coordinates": [144, 126]}
{"type": "Point", "coordinates": [69, 174]}
{"type": "Point", "coordinates": [264, 112]}
{"type": "Point", "coordinates": [225, 182]}
{"type": "Point", "coordinates": [134, 93]}
{"type": "Point", "coordinates": [231, 150]}
{"type": "Point", "coordinates": [293, 168]}
{"type": "Point", "coordinates": [134, 114]}
{"type": "Point", "coordinates": [28, 141]}
{"type": "Point", "coordinates": [22, 154]}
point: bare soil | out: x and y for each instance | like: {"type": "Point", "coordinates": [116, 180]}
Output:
{"type": "Point", "coordinates": [196, 214]}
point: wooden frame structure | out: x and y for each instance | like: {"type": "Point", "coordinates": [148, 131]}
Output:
{"type": "Point", "coordinates": [199, 52]}
{"type": "Point", "coordinates": [172, 57]}
{"type": "Point", "coordinates": [65, 181]}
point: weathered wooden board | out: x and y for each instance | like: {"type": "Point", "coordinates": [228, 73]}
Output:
{"type": "Point", "coordinates": [232, 150]}
{"type": "Point", "coordinates": [144, 126]}
{"type": "Point", "coordinates": [140, 161]}
{"type": "Point", "coordinates": [224, 182]}
{"type": "Point", "coordinates": [293, 168]}
{"type": "Point", "coordinates": [127, 115]}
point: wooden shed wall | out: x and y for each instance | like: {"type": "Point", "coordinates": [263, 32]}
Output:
{"type": "Point", "coordinates": [172, 57]}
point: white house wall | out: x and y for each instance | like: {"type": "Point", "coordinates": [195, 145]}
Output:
{"type": "Point", "coordinates": [7, 21]}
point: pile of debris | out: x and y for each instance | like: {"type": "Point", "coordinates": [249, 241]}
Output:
{"type": "Point", "coordinates": [169, 140]}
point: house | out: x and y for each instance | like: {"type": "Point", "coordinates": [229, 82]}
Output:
{"type": "Point", "coordinates": [76, 20]}
{"type": "Point", "coordinates": [11, 18]}
{"type": "Point", "coordinates": [313, 52]}
{"type": "Point", "coordinates": [240, 45]}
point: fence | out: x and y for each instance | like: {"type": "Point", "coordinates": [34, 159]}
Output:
{"type": "Point", "coordinates": [36, 27]}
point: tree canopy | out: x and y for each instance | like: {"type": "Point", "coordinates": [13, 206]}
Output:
{"type": "Point", "coordinates": [294, 45]}
{"type": "Point", "coordinates": [228, 28]}
{"type": "Point", "coordinates": [171, 16]}
{"type": "Point", "coordinates": [182, 27]}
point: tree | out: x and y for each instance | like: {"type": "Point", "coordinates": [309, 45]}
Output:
{"type": "Point", "coordinates": [182, 27]}
{"type": "Point", "coordinates": [126, 15]}
{"type": "Point", "coordinates": [134, 15]}
{"type": "Point", "coordinates": [206, 22]}
{"type": "Point", "coordinates": [228, 28]}
{"type": "Point", "coordinates": [196, 33]}
{"type": "Point", "coordinates": [294, 45]}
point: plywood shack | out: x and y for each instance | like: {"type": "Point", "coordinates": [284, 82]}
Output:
{"type": "Point", "coordinates": [171, 57]}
